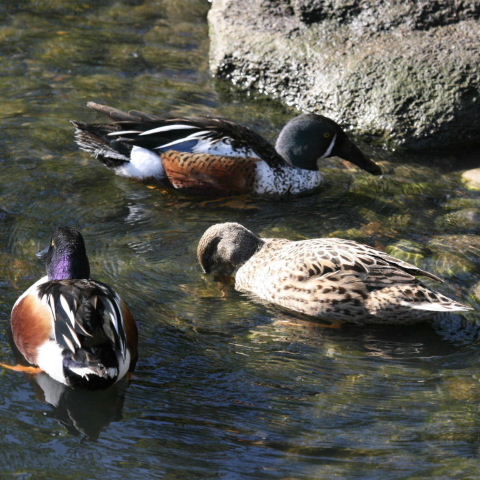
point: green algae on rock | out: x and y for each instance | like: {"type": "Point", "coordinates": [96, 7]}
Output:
{"type": "Point", "coordinates": [466, 220]}
{"type": "Point", "coordinates": [409, 251]}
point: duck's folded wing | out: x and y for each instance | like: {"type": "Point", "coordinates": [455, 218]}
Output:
{"type": "Point", "coordinates": [337, 295]}
{"type": "Point", "coordinates": [85, 313]}
{"type": "Point", "coordinates": [188, 134]}
{"type": "Point", "coordinates": [382, 259]}
{"type": "Point", "coordinates": [355, 296]}
{"type": "Point", "coordinates": [338, 254]}
{"type": "Point", "coordinates": [410, 300]}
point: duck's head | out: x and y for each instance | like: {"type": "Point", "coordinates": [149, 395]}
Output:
{"type": "Point", "coordinates": [309, 137]}
{"type": "Point", "coordinates": [65, 256]}
{"type": "Point", "coordinates": [226, 246]}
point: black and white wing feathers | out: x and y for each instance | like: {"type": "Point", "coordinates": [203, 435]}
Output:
{"type": "Point", "coordinates": [86, 314]}
{"type": "Point", "coordinates": [196, 135]}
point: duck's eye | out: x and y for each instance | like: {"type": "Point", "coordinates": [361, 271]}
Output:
{"type": "Point", "coordinates": [327, 135]}
{"type": "Point", "coordinates": [52, 244]}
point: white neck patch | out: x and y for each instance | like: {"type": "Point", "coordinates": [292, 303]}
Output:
{"type": "Point", "coordinates": [330, 147]}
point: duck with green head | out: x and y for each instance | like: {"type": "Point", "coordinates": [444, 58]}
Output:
{"type": "Point", "coordinates": [217, 156]}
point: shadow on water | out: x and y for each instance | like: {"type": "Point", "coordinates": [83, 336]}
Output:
{"type": "Point", "coordinates": [442, 336]}
{"type": "Point", "coordinates": [82, 412]}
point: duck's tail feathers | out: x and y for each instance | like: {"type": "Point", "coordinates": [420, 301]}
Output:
{"type": "Point", "coordinates": [451, 306]}
{"type": "Point", "coordinates": [411, 301]}
{"type": "Point", "coordinates": [96, 369]}
{"type": "Point", "coordinates": [91, 373]}
{"type": "Point", "coordinates": [90, 138]}
{"type": "Point", "coordinates": [422, 298]}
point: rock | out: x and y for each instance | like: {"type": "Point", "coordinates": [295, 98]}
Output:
{"type": "Point", "coordinates": [476, 290]}
{"type": "Point", "coordinates": [455, 255]}
{"type": "Point", "coordinates": [472, 178]}
{"type": "Point", "coordinates": [409, 251]}
{"type": "Point", "coordinates": [406, 72]}
{"type": "Point", "coordinates": [4, 215]}
{"type": "Point", "coordinates": [466, 220]}
{"type": "Point", "coordinates": [462, 202]}
{"type": "Point", "coordinates": [458, 329]}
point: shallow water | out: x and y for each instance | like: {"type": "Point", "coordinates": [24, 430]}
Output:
{"type": "Point", "coordinates": [224, 388]}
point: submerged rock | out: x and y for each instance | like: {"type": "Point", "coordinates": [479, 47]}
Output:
{"type": "Point", "coordinates": [409, 251]}
{"type": "Point", "coordinates": [404, 71]}
{"type": "Point", "coordinates": [472, 178]}
{"type": "Point", "coordinates": [455, 255]}
{"type": "Point", "coordinates": [476, 291]}
{"type": "Point", "coordinates": [466, 220]}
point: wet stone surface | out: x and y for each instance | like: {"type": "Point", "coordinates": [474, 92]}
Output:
{"type": "Point", "coordinates": [403, 72]}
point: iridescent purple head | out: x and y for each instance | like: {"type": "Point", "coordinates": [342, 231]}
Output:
{"type": "Point", "coordinates": [66, 257]}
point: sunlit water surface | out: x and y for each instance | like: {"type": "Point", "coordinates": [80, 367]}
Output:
{"type": "Point", "coordinates": [225, 388]}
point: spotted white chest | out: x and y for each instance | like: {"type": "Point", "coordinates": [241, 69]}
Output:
{"type": "Point", "coordinates": [284, 180]}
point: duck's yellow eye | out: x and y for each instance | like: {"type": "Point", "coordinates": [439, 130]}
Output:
{"type": "Point", "coordinates": [327, 134]}
{"type": "Point", "coordinates": [53, 244]}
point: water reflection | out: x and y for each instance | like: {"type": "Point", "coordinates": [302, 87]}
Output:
{"type": "Point", "coordinates": [82, 412]}
{"type": "Point", "coordinates": [382, 341]}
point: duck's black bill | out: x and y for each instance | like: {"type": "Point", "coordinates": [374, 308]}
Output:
{"type": "Point", "coordinates": [42, 254]}
{"type": "Point", "coordinates": [349, 151]}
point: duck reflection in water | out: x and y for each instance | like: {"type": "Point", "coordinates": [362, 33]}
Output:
{"type": "Point", "coordinates": [83, 412]}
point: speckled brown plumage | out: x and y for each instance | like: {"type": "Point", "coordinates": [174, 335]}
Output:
{"type": "Point", "coordinates": [327, 278]}
{"type": "Point", "coordinates": [203, 172]}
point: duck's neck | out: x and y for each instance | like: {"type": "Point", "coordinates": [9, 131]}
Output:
{"type": "Point", "coordinates": [66, 266]}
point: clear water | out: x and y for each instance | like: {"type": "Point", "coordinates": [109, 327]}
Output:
{"type": "Point", "coordinates": [225, 388]}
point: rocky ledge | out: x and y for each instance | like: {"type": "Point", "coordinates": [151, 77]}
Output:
{"type": "Point", "coordinates": [406, 72]}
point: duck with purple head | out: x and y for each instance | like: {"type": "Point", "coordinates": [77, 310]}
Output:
{"type": "Point", "coordinates": [76, 329]}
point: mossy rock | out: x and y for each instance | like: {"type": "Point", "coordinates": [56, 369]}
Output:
{"type": "Point", "coordinates": [467, 246]}
{"type": "Point", "coordinates": [61, 50]}
{"type": "Point", "coordinates": [465, 220]}
{"type": "Point", "coordinates": [104, 83]}
{"type": "Point", "coordinates": [409, 251]}
{"type": "Point", "coordinates": [455, 255]}
{"type": "Point", "coordinates": [126, 57]}
{"type": "Point", "coordinates": [13, 107]}
{"type": "Point", "coordinates": [476, 291]}
{"type": "Point", "coordinates": [462, 202]}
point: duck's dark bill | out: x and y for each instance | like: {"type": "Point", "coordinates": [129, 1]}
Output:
{"type": "Point", "coordinates": [347, 150]}
{"type": "Point", "coordinates": [42, 254]}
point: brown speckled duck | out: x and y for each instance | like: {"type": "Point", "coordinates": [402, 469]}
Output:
{"type": "Point", "coordinates": [328, 278]}
{"type": "Point", "coordinates": [216, 156]}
